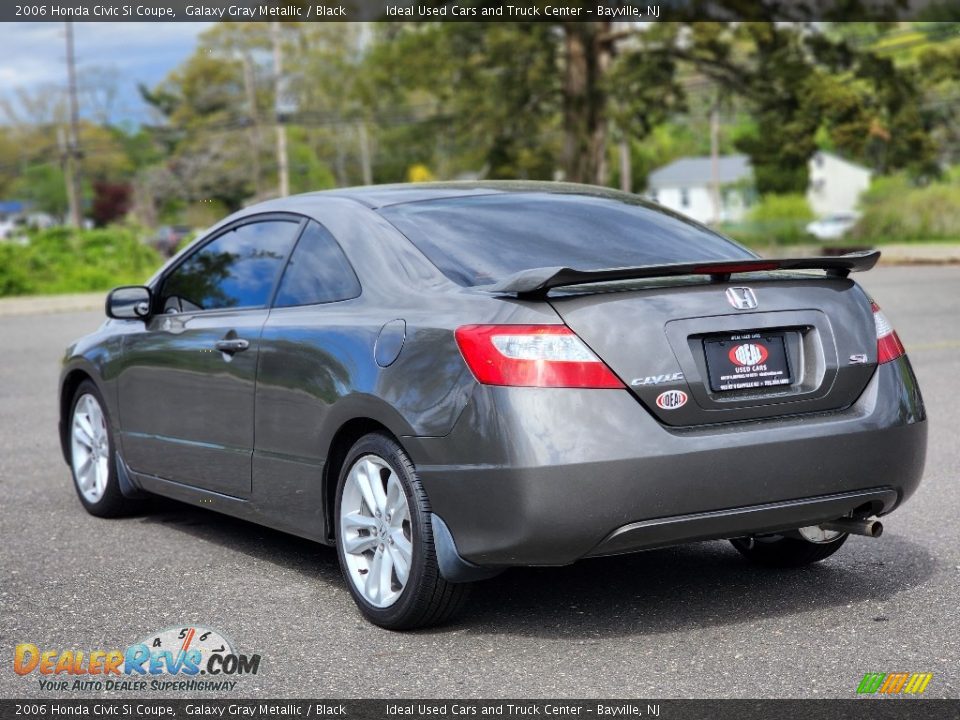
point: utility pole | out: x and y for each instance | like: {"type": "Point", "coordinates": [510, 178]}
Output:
{"type": "Point", "coordinates": [251, 91]}
{"type": "Point", "coordinates": [365, 166]}
{"type": "Point", "coordinates": [282, 168]}
{"type": "Point", "coordinates": [72, 149]}
{"type": "Point", "coordinates": [715, 160]}
{"type": "Point", "coordinates": [626, 170]}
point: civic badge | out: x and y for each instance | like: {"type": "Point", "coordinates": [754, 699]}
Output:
{"type": "Point", "coordinates": [742, 298]}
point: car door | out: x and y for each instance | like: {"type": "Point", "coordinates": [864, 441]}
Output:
{"type": "Point", "coordinates": [311, 351]}
{"type": "Point", "coordinates": [186, 384]}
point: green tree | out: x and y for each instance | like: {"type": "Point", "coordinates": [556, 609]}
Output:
{"type": "Point", "coordinates": [204, 103]}
{"type": "Point", "coordinates": [483, 95]}
{"type": "Point", "coordinates": [939, 67]}
{"type": "Point", "coordinates": [798, 81]}
{"type": "Point", "coordinates": [44, 186]}
{"type": "Point", "coordinates": [523, 99]}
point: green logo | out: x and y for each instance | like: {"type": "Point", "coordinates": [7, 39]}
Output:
{"type": "Point", "coordinates": [894, 683]}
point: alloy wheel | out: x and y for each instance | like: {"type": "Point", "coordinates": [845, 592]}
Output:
{"type": "Point", "coordinates": [376, 531]}
{"type": "Point", "coordinates": [90, 448]}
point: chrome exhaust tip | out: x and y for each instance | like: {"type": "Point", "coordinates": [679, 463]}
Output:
{"type": "Point", "coordinates": [867, 528]}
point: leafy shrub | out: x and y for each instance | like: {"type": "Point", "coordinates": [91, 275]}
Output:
{"type": "Point", "coordinates": [62, 260]}
{"type": "Point", "coordinates": [14, 279]}
{"type": "Point", "coordinates": [780, 208]}
{"type": "Point", "coordinates": [894, 210]}
{"type": "Point", "coordinates": [885, 188]}
{"type": "Point", "coordinates": [775, 220]}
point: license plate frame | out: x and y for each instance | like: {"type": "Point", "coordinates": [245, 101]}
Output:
{"type": "Point", "coordinates": [747, 361]}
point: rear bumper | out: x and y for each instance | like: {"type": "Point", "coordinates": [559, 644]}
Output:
{"type": "Point", "coordinates": [533, 476]}
{"type": "Point", "coordinates": [767, 518]}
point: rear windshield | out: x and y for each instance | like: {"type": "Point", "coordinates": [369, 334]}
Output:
{"type": "Point", "coordinates": [479, 240]}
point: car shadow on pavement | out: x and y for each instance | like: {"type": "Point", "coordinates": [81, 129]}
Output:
{"type": "Point", "coordinates": [308, 558]}
{"type": "Point", "coordinates": [688, 587]}
{"type": "Point", "coordinates": [659, 591]}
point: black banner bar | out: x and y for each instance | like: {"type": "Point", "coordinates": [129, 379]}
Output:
{"type": "Point", "coordinates": [467, 10]}
{"type": "Point", "coordinates": [865, 708]}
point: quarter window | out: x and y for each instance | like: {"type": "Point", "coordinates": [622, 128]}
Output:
{"type": "Point", "coordinates": [318, 271]}
{"type": "Point", "coordinates": [236, 270]}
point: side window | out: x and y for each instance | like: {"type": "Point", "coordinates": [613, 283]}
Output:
{"type": "Point", "coordinates": [236, 270]}
{"type": "Point", "coordinates": [318, 271]}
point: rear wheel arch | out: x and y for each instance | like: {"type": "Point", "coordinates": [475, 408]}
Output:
{"type": "Point", "coordinates": [343, 439]}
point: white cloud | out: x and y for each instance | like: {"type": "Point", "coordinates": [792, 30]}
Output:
{"type": "Point", "coordinates": [34, 54]}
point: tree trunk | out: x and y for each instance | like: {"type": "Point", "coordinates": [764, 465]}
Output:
{"type": "Point", "coordinates": [588, 51]}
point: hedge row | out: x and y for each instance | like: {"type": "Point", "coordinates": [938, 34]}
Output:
{"type": "Point", "coordinates": [894, 210]}
{"type": "Point", "coordinates": [62, 260]}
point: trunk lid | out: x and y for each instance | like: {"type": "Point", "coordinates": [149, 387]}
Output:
{"type": "Point", "coordinates": [809, 344]}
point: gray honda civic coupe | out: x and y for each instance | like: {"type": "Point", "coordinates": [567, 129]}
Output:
{"type": "Point", "coordinates": [447, 380]}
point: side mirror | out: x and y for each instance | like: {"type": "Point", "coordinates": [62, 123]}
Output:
{"type": "Point", "coordinates": [130, 302]}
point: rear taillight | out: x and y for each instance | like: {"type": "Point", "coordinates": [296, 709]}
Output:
{"type": "Point", "coordinates": [889, 346]}
{"type": "Point", "coordinates": [532, 356]}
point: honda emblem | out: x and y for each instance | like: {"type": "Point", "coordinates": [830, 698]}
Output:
{"type": "Point", "coordinates": [742, 298]}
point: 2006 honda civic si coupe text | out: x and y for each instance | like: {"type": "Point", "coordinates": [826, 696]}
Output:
{"type": "Point", "coordinates": [447, 380]}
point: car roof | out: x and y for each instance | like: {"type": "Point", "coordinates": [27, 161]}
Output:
{"type": "Point", "coordinates": [378, 196]}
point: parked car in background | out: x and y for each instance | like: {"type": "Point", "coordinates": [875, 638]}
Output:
{"type": "Point", "coordinates": [15, 230]}
{"type": "Point", "coordinates": [167, 238]}
{"type": "Point", "coordinates": [833, 227]}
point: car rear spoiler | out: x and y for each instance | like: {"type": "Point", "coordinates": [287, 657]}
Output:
{"type": "Point", "coordinates": [537, 282]}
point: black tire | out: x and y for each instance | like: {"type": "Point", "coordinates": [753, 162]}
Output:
{"type": "Point", "coordinates": [112, 502]}
{"type": "Point", "coordinates": [785, 552]}
{"type": "Point", "coordinates": [426, 599]}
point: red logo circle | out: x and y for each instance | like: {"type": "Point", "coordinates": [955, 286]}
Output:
{"type": "Point", "coordinates": [748, 354]}
{"type": "Point", "coordinates": [671, 399]}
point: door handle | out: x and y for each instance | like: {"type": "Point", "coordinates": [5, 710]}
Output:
{"type": "Point", "coordinates": [232, 346]}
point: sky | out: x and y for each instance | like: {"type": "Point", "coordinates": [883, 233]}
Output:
{"type": "Point", "coordinates": [34, 55]}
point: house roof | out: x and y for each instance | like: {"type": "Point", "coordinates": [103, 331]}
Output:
{"type": "Point", "coordinates": [691, 171]}
{"type": "Point", "coordinates": [11, 207]}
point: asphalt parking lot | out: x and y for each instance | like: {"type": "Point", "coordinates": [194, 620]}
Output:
{"type": "Point", "coordinates": [692, 621]}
